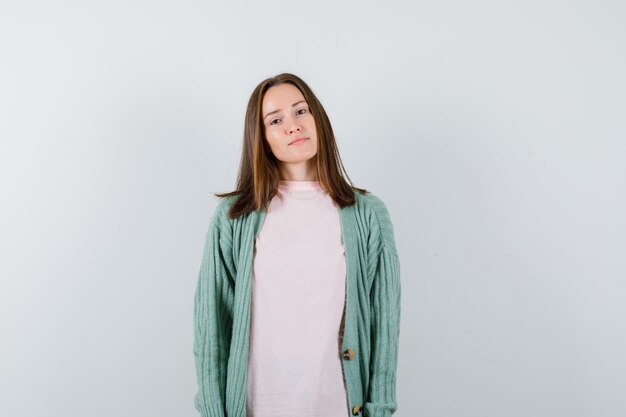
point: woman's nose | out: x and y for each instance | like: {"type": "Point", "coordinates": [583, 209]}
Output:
{"type": "Point", "coordinates": [292, 125]}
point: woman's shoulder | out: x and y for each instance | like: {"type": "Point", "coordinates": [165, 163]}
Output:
{"type": "Point", "coordinates": [224, 204]}
{"type": "Point", "coordinates": [372, 203]}
{"type": "Point", "coordinates": [376, 211]}
{"type": "Point", "coordinates": [220, 217]}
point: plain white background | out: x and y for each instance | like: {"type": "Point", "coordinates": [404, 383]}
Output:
{"type": "Point", "coordinates": [494, 131]}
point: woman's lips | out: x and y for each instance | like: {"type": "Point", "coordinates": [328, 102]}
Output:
{"type": "Point", "coordinates": [298, 141]}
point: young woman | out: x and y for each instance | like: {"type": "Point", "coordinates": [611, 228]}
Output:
{"type": "Point", "coordinates": [297, 305]}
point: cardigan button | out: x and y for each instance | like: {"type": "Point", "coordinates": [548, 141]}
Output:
{"type": "Point", "coordinates": [348, 354]}
{"type": "Point", "coordinates": [356, 409]}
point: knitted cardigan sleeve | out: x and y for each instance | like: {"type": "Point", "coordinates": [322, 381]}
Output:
{"type": "Point", "coordinates": [212, 321]}
{"type": "Point", "coordinates": [385, 315]}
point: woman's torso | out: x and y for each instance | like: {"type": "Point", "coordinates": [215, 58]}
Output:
{"type": "Point", "coordinates": [298, 299]}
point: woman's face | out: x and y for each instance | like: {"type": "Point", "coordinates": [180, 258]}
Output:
{"type": "Point", "coordinates": [286, 118]}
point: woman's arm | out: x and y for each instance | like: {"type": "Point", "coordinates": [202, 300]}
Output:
{"type": "Point", "coordinates": [385, 326]}
{"type": "Point", "coordinates": [213, 318]}
{"type": "Point", "coordinates": [385, 318]}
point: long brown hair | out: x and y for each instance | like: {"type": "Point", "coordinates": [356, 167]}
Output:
{"type": "Point", "coordinates": [258, 169]}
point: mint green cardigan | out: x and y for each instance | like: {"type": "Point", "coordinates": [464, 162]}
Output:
{"type": "Point", "coordinates": [372, 311]}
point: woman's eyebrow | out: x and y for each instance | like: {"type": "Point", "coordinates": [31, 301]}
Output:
{"type": "Point", "coordinates": [275, 111]}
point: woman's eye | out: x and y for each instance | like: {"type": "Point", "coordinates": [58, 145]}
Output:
{"type": "Point", "coordinates": [297, 112]}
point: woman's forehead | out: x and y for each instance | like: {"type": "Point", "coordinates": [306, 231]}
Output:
{"type": "Point", "coordinates": [278, 98]}
{"type": "Point", "coordinates": [282, 93]}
